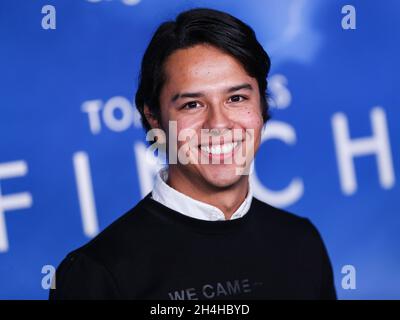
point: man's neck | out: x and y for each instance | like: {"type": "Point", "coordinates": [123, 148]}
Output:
{"type": "Point", "coordinates": [228, 200]}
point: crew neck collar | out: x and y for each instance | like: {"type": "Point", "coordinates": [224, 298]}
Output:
{"type": "Point", "coordinates": [169, 215]}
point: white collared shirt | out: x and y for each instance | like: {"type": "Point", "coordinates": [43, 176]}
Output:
{"type": "Point", "coordinates": [188, 206]}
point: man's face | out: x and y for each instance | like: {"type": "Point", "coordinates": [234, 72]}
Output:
{"type": "Point", "coordinates": [208, 91]}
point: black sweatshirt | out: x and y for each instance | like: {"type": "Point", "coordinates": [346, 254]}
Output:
{"type": "Point", "coordinates": [154, 252]}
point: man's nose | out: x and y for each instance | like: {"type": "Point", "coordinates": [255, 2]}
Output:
{"type": "Point", "coordinates": [218, 118]}
{"type": "Point", "coordinates": [219, 124]}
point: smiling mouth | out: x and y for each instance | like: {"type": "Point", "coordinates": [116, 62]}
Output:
{"type": "Point", "coordinates": [219, 149]}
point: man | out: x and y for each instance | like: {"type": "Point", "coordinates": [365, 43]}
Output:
{"type": "Point", "coordinates": [200, 234]}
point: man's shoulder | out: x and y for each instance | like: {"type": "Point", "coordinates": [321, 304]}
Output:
{"type": "Point", "coordinates": [298, 237]}
{"type": "Point", "coordinates": [282, 220]}
{"type": "Point", "coordinates": [290, 231]}
{"type": "Point", "coordinates": [126, 232]}
{"type": "Point", "coordinates": [270, 212]}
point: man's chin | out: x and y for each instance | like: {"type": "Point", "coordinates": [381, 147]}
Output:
{"type": "Point", "coordinates": [221, 178]}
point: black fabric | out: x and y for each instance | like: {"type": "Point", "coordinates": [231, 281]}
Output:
{"type": "Point", "coordinates": [153, 252]}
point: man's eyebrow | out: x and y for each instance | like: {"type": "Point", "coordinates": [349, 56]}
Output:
{"type": "Point", "coordinates": [239, 87]}
{"type": "Point", "coordinates": [201, 94]}
{"type": "Point", "coordinates": [187, 95]}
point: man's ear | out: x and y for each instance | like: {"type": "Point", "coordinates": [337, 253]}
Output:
{"type": "Point", "coordinates": [150, 117]}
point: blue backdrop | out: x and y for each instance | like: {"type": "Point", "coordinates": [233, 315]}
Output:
{"type": "Point", "coordinates": [72, 148]}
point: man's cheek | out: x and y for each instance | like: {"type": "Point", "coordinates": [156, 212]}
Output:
{"type": "Point", "coordinates": [187, 144]}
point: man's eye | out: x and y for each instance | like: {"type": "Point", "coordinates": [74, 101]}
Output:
{"type": "Point", "coordinates": [237, 98]}
{"type": "Point", "coordinates": [190, 105]}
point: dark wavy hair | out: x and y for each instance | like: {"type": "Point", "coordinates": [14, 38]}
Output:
{"type": "Point", "coordinates": [200, 26]}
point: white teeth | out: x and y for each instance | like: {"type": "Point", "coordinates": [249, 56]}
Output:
{"type": "Point", "coordinates": [218, 149]}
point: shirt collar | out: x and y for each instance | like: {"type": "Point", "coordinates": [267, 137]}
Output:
{"type": "Point", "coordinates": [188, 206]}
